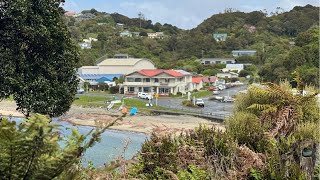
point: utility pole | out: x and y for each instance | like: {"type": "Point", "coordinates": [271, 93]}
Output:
{"type": "Point", "coordinates": [141, 17]}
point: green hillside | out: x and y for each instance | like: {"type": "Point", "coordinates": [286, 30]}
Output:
{"type": "Point", "coordinates": [271, 36]}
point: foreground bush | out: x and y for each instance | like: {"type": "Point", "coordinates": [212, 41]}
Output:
{"type": "Point", "coordinates": [31, 150]}
{"type": "Point", "coordinates": [264, 139]}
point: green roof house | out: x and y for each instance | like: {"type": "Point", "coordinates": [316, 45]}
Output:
{"type": "Point", "coordinates": [220, 37]}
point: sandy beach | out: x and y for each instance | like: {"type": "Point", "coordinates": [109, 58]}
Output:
{"type": "Point", "coordinates": [161, 124]}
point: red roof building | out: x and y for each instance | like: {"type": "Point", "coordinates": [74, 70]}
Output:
{"type": "Point", "coordinates": [159, 81]}
{"type": "Point", "coordinates": [155, 72]}
{"type": "Point", "coordinates": [197, 80]}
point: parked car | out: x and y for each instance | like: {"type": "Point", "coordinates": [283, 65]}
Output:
{"type": "Point", "coordinates": [212, 89]}
{"type": "Point", "coordinates": [221, 87]}
{"type": "Point", "coordinates": [80, 91]}
{"type": "Point", "coordinates": [144, 95]}
{"type": "Point", "coordinates": [199, 102]}
{"type": "Point", "coordinates": [228, 99]}
{"type": "Point", "coordinates": [215, 92]}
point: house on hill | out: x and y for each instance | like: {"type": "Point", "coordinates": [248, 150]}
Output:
{"type": "Point", "coordinates": [237, 53]}
{"type": "Point", "coordinates": [233, 68]}
{"type": "Point", "coordinates": [126, 34]}
{"type": "Point", "coordinates": [85, 45]}
{"type": "Point", "coordinates": [227, 75]}
{"type": "Point", "coordinates": [207, 61]}
{"type": "Point", "coordinates": [156, 35]}
{"type": "Point", "coordinates": [158, 81]}
{"type": "Point", "coordinates": [212, 80]}
{"type": "Point", "coordinates": [220, 36]}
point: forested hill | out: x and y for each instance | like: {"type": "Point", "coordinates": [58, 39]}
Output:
{"type": "Point", "coordinates": [290, 24]}
{"type": "Point", "coordinates": [272, 36]}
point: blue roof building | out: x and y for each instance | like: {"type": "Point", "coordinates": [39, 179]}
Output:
{"type": "Point", "coordinates": [99, 77]}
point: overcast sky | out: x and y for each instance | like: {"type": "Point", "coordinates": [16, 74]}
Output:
{"type": "Point", "coordinates": [185, 14]}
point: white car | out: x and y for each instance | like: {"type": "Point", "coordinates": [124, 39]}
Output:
{"type": "Point", "coordinates": [199, 102]}
{"type": "Point", "coordinates": [215, 92]}
{"type": "Point", "coordinates": [146, 96]}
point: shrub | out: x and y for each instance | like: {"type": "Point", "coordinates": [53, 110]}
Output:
{"type": "Point", "coordinates": [247, 130]}
{"type": "Point", "coordinates": [179, 93]}
{"type": "Point", "coordinates": [158, 155]}
{"type": "Point", "coordinates": [114, 89]}
{"type": "Point", "coordinates": [188, 103]}
{"type": "Point", "coordinates": [195, 90]}
{"type": "Point", "coordinates": [194, 173]}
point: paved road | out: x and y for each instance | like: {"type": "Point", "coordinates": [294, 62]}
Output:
{"type": "Point", "coordinates": [210, 106]}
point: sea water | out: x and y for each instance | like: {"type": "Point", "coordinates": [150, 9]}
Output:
{"type": "Point", "coordinates": [113, 143]}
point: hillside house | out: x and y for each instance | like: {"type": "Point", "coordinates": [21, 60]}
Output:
{"type": "Point", "coordinates": [220, 37]}
{"type": "Point", "coordinates": [233, 68]}
{"type": "Point", "coordinates": [207, 61]}
{"type": "Point", "coordinates": [212, 80]}
{"type": "Point", "coordinates": [85, 45]}
{"type": "Point", "coordinates": [90, 39]}
{"type": "Point", "coordinates": [227, 75]}
{"type": "Point", "coordinates": [237, 53]}
{"type": "Point", "coordinates": [86, 16]}
{"type": "Point", "coordinates": [156, 35]}
{"type": "Point", "coordinates": [117, 66]}
{"type": "Point", "coordinates": [159, 81]}
{"type": "Point", "coordinates": [126, 34]}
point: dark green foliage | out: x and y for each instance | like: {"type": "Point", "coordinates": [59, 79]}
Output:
{"type": "Point", "coordinates": [37, 57]}
{"type": "Point", "coordinates": [247, 130]}
{"type": "Point", "coordinates": [193, 173]}
{"type": "Point", "coordinates": [114, 89]}
{"type": "Point", "coordinates": [244, 73]}
{"type": "Point", "coordinates": [32, 150]}
{"type": "Point", "coordinates": [157, 156]}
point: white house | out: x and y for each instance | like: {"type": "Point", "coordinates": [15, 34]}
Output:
{"type": "Point", "coordinates": [207, 61]}
{"type": "Point", "coordinates": [85, 45]}
{"type": "Point", "coordinates": [156, 35]}
{"type": "Point", "coordinates": [237, 53]}
{"type": "Point", "coordinates": [89, 40]}
{"type": "Point", "coordinates": [233, 67]}
{"type": "Point", "coordinates": [158, 81]}
{"type": "Point", "coordinates": [126, 34]}
{"type": "Point", "coordinates": [227, 75]}
{"type": "Point", "coordinates": [117, 66]}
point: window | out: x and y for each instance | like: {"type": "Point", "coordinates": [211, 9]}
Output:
{"type": "Point", "coordinates": [229, 62]}
{"type": "Point", "coordinates": [130, 79]}
{"type": "Point", "coordinates": [140, 89]}
{"type": "Point", "coordinates": [146, 89]}
{"type": "Point", "coordinates": [156, 80]}
{"type": "Point", "coordinates": [167, 80]}
{"type": "Point", "coordinates": [164, 90]}
{"type": "Point", "coordinates": [137, 80]}
{"type": "Point", "coordinates": [207, 62]}
{"type": "Point", "coordinates": [131, 89]}
{"type": "Point", "coordinates": [218, 62]}
{"type": "Point", "coordinates": [147, 79]}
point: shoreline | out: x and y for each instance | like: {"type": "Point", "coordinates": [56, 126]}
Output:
{"type": "Point", "coordinates": [146, 124]}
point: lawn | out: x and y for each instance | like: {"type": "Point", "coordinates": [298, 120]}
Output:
{"type": "Point", "coordinates": [99, 92]}
{"type": "Point", "coordinates": [85, 100]}
{"type": "Point", "coordinates": [201, 94]}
